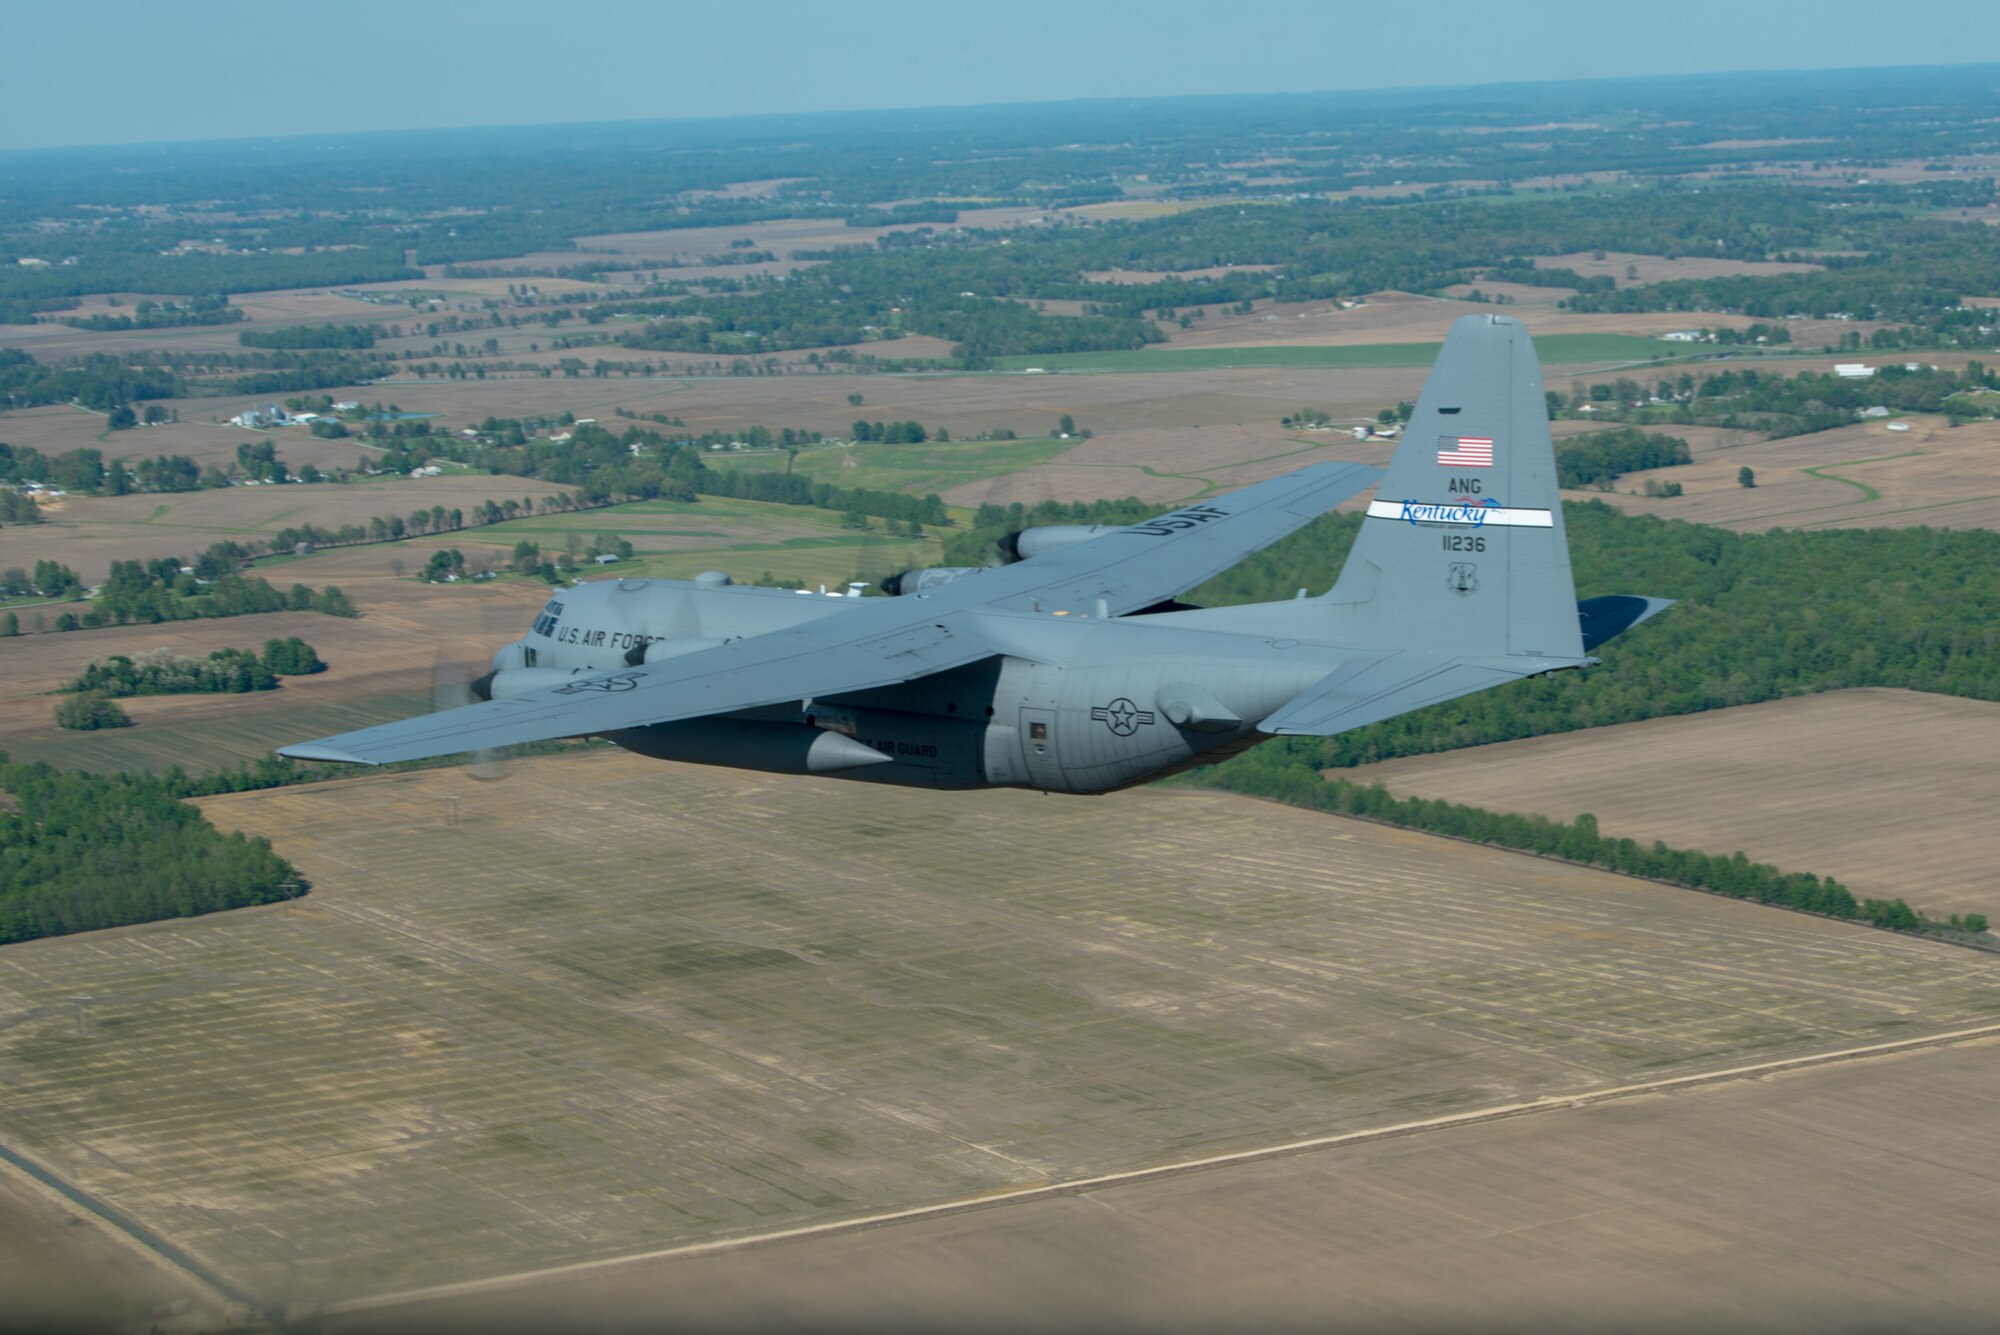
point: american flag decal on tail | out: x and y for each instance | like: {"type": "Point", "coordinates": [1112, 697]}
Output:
{"type": "Point", "coordinates": [1465, 451]}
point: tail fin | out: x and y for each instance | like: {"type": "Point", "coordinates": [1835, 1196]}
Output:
{"type": "Point", "coordinates": [1463, 551]}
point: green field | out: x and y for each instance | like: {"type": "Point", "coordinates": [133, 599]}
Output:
{"type": "Point", "coordinates": [934, 466]}
{"type": "Point", "coordinates": [204, 744]}
{"type": "Point", "coordinates": [1554, 348]}
{"type": "Point", "coordinates": [677, 540]}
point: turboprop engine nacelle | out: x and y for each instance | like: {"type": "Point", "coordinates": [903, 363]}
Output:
{"type": "Point", "coordinates": [653, 651]}
{"type": "Point", "coordinates": [1028, 543]}
{"type": "Point", "coordinates": [1020, 545]}
{"type": "Point", "coordinates": [925, 579]}
{"type": "Point", "coordinates": [514, 680]}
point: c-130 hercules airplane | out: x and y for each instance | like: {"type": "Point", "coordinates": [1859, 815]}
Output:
{"type": "Point", "coordinates": [1071, 669]}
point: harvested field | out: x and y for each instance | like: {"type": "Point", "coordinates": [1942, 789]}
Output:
{"type": "Point", "coordinates": [595, 1007]}
{"type": "Point", "coordinates": [1166, 465]}
{"type": "Point", "coordinates": [1404, 317]}
{"type": "Point", "coordinates": [1560, 351]}
{"type": "Point", "coordinates": [1658, 269]}
{"type": "Point", "coordinates": [90, 532]}
{"type": "Point", "coordinates": [379, 667]}
{"type": "Point", "coordinates": [1132, 277]}
{"type": "Point", "coordinates": [1891, 792]}
{"type": "Point", "coordinates": [1799, 1201]}
{"type": "Point", "coordinates": [967, 405]}
{"type": "Point", "coordinates": [1150, 208]}
{"type": "Point", "coordinates": [1862, 476]}
{"type": "Point", "coordinates": [783, 237]}
{"type": "Point", "coordinates": [1526, 301]}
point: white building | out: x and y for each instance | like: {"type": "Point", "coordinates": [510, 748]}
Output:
{"type": "Point", "coordinates": [1853, 370]}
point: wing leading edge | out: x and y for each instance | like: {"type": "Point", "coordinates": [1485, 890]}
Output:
{"type": "Point", "coordinates": [880, 642]}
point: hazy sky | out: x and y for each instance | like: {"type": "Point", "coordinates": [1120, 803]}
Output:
{"type": "Point", "coordinates": [124, 71]}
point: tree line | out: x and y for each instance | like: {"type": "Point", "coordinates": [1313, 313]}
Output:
{"type": "Point", "coordinates": [223, 671]}
{"type": "Point", "coordinates": [348, 337]}
{"type": "Point", "coordinates": [208, 309]}
{"type": "Point", "coordinates": [1788, 405]}
{"type": "Point", "coordinates": [1601, 457]}
{"type": "Point", "coordinates": [1283, 778]}
{"type": "Point", "coordinates": [150, 592]}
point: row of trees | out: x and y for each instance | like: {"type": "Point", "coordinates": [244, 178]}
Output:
{"type": "Point", "coordinates": [98, 382]}
{"type": "Point", "coordinates": [223, 671]}
{"type": "Point", "coordinates": [794, 489]}
{"type": "Point", "coordinates": [1790, 405]}
{"type": "Point", "coordinates": [345, 337]}
{"type": "Point", "coordinates": [51, 579]}
{"type": "Point", "coordinates": [1263, 773]}
{"type": "Point", "coordinates": [151, 592]}
{"type": "Point", "coordinates": [208, 309]}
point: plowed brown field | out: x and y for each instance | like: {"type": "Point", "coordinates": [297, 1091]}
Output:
{"type": "Point", "coordinates": [1891, 792]}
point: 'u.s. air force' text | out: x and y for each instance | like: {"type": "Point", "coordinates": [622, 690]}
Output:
{"type": "Point", "coordinates": [588, 638]}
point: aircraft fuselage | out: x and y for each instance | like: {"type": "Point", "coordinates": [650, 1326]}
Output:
{"type": "Point", "coordinates": [1084, 706]}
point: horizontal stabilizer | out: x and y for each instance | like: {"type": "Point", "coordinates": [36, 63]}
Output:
{"type": "Point", "coordinates": [1614, 614]}
{"type": "Point", "coordinates": [1370, 690]}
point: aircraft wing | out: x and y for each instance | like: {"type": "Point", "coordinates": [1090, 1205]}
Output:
{"type": "Point", "coordinates": [851, 652]}
{"type": "Point", "coordinates": [1148, 563]}
{"type": "Point", "coordinates": [879, 642]}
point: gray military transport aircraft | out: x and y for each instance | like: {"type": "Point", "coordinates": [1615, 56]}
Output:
{"type": "Point", "coordinates": [1071, 669]}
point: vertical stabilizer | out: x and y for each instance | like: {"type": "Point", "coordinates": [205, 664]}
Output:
{"type": "Point", "coordinates": [1463, 550]}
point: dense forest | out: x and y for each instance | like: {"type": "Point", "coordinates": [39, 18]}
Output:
{"type": "Point", "coordinates": [1759, 616]}
{"type": "Point", "coordinates": [82, 851]}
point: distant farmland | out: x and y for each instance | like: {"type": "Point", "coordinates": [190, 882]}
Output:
{"type": "Point", "coordinates": [1860, 476]}
{"type": "Point", "coordinates": [1553, 348]}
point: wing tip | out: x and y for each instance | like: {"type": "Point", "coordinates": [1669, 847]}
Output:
{"type": "Point", "coordinates": [315, 751]}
